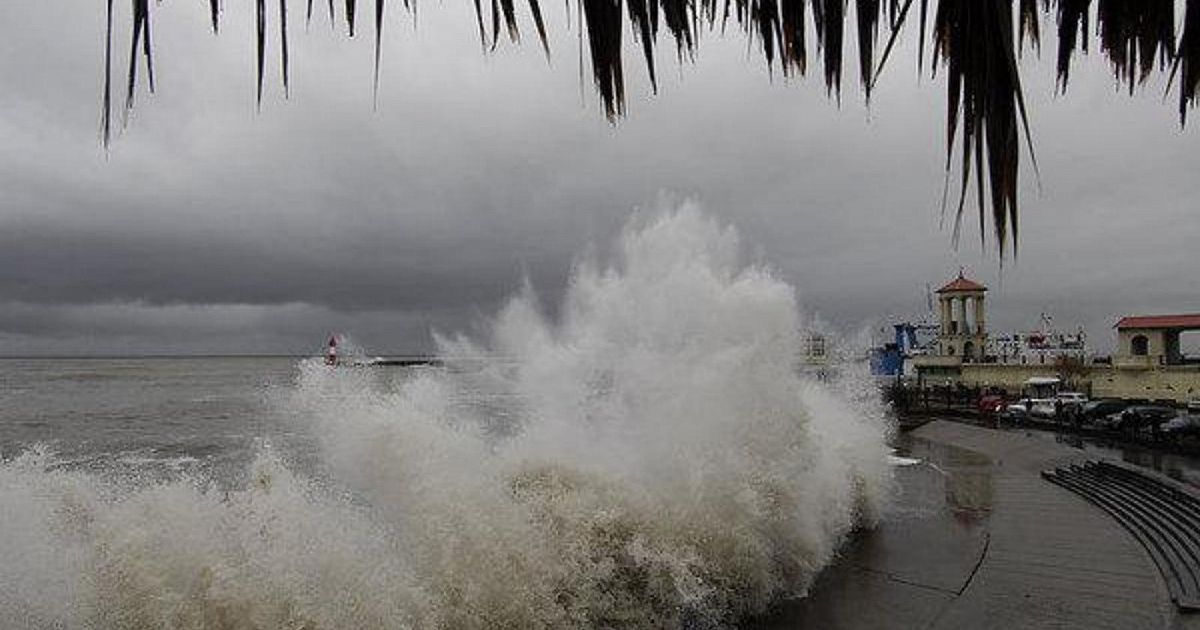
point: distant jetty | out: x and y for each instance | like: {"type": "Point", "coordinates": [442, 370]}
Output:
{"type": "Point", "coordinates": [409, 362]}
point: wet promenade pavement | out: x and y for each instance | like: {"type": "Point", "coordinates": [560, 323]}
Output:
{"type": "Point", "coordinates": [978, 540]}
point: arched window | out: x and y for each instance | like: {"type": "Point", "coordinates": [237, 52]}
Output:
{"type": "Point", "coordinates": [1139, 345]}
{"type": "Point", "coordinates": [968, 350]}
{"type": "Point", "coordinates": [950, 350]}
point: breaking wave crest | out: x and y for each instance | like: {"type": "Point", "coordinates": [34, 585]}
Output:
{"type": "Point", "coordinates": [649, 458]}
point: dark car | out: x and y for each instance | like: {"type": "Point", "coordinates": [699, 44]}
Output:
{"type": "Point", "coordinates": [1111, 422]}
{"type": "Point", "coordinates": [1097, 409]}
{"type": "Point", "coordinates": [1145, 417]}
{"type": "Point", "coordinates": [1182, 425]}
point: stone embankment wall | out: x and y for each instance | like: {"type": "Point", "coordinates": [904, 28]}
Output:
{"type": "Point", "coordinates": [1178, 383]}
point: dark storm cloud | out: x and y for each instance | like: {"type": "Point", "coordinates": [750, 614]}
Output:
{"type": "Point", "coordinates": [135, 328]}
{"type": "Point", "coordinates": [71, 266]}
{"type": "Point", "coordinates": [213, 228]}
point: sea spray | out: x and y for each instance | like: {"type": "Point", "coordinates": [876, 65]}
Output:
{"type": "Point", "coordinates": [668, 466]}
{"type": "Point", "coordinates": [80, 553]}
{"type": "Point", "coordinates": [648, 458]}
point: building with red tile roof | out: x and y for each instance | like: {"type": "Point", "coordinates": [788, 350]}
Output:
{"type": "Point", "coordinates": [1181, 322]}
{"type": "Point", "coordinates": [1149, 340]}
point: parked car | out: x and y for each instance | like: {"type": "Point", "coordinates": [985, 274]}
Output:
{"type": "Point", "coordinates": [1064, 407]}
{"type": "Point", "coordinates": [990, 404]}
{"type": "Point", "coordinates": [1074, 399]}
{"type": "Point", "coordinates": [1182, 425]}
{"type": "Point", "coordinates": [1042, 407]}
{"type": "Point", "coordinates": [1143, 417]}
{"type": "Point", "coordinates": [1097, 409]}
{"type": "Point", "coordinates": [1109, 422]}
{"type": "Point", "coordinates": [1193, 406]}
{"type": "Point", "coordinates": [1017, 411]}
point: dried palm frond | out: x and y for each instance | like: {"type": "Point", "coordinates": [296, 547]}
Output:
{"type": "Point", "coordinates": [106, 107]}
{"type": "Point", "coordinates": [1133, 33]}
{"type": "Point", "coordinates": [681, 19]}
{"type": "Point", "coordinates": [764, 18]}
{"type": "Point", "coordinates": [976, 41]}
{"type": "Point", "coordinates": [141, 35]}
{"type": "Point", "coordinates": [260, 22]}
{"type": "Point", "coordinates": [378, 44]}
{"type": "Point", "coordinates": [214, 9]}
{"type": "Point", "coordinates": [867, 16]}
{"type": "Point", "coordinates": [283, 46]}
{"type": "Point", "coordinates": [830, 16]}
{"type": "Point", "coordinates": [1028, 24]}
{"type": "Point", "coordinates": [1072, 22]}
{"type": "Point", "coordinates": [897, 23]}
{"type": "Point", "coordinates": [538, 23]}
{"type": "Point", "coordinates": [793, 56]}
{"type": "Point", "coordinates": [1187, 60]}
{"type": "Point", "coordinates": [643, 15]}
{"type": "Point", "coordinates": [603, 19]}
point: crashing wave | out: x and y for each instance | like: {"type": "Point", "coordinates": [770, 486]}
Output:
{"type": "Point", "coordinates": [650, 458]}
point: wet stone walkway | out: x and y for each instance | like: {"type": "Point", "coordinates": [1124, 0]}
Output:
{"type": "Point", "coordinates": [979, 540]}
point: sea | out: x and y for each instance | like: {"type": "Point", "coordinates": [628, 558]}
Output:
{"type": "Point", "coordinates": [153, 418]}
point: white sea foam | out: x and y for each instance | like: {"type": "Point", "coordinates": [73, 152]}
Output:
{"type": "Point", "coordinates": [658, 463]}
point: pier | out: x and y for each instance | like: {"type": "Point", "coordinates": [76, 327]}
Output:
{"type": "Point", "coordinates": [1010, 550]}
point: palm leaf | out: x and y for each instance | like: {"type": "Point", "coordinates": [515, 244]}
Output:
{"type": "Point", "coordinates": [538, 23]}
{"type": "Point", "coordinates": [973, 40]}
{"type": "Point", "coordinates": [867, 17]}
{"type": "Point", "coordinates": [1136, 34]}
{"type": "Point", "coordinates": [829, 16]}
{"type": "Point", "coordinates": [283, 46]}
{"type": "Point", "coordinates": [603, 18]}
{"type": "Point", "coordinates": [214, 9]}
{"type": "Point", "coordinates": [1072, 22]}
{"type": "Point", "coordinates": [1028, 24]}
{"type": "Point", "coordinates": [106, 112]}
{"type": "Point", "coordinates": [378, 45]}
{"type": "Point", "coordinates": [140, 31]}
{"type": "Point", "coordinates": [793, 54]}
{"type": "Point", "coordinates": [1187, 60]}
{"type": "Point", "coordinates": [260, 21]}
{"type": "Point", "coordinates": [646, 31]}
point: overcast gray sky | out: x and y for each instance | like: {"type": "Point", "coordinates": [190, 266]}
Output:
{"type": "Point", "coordinates": [211, 227]}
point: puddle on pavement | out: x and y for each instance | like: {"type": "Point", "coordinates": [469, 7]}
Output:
{"type": "Point", "coordinates": [902, 572]}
